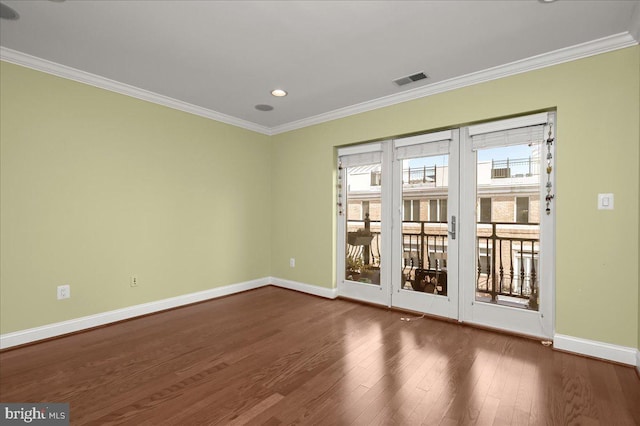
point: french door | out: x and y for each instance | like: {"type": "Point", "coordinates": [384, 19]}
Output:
{"type": "Point", "coordinates": [364, 225]}
{"type": "Point", "coordinates": [508, 244]}
{"type": "Point", "coordinates": [453, 224]}
{"type": "Point", "coordinates": [425, 258]}
{"type": "Point", "coordinates": [397, 207]}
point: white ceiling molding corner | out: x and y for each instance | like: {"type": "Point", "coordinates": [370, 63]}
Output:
{"type": "Point", "coordinates": [583, 50]}
{"type": "Point", "coordinates": [38, 64]}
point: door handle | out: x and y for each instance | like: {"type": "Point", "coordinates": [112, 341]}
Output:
{"type": "Point", "coordinates": [452, 228]}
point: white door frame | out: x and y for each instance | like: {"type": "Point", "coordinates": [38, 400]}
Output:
{"type": "Point", "coordinates": [460, 302]}
{"type": "Point", "coordinates": [377, 294]}
{"type": "Point", "coordinates": [444, 306]}
{"type": "Point", "coordinates": [517, 320]}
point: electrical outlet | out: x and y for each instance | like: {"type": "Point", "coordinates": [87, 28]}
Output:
{"type": "Point", "coordinates": [134, 281]}
{"type": "Point", "coordinates": [64, 291]}
{"type": "Point", "coordinates": [292, 262]}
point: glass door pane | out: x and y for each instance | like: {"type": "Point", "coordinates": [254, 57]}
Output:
{"type": "Point", "coordinates": [425, 203]}
{"type": "Point", "coordinates": [425, 192]}
{"type": "Point", "coordinates": [507, 234]}
{"type": "Point", "coordinates": [363, 224]}
{"type": "Point", "coordinates": [364, 213]}
{"type": "Point", "coordinates": [508, 225]}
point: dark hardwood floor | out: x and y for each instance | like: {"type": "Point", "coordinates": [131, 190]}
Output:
{"type": "Point", "coordinates": [273, 356]}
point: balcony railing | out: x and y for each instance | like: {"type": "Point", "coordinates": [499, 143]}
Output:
{"type": "Point", "coordinates": [514, 168]}
{"type": "Point", "coordinates": [433, 176]}
{"type": "Point", "coordinates": [506, 264]}
{"type": "Point", "coordinates": [426, 175]}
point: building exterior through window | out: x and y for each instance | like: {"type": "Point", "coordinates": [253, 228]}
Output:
{"type": "Point", "coordinates": [507, 212]}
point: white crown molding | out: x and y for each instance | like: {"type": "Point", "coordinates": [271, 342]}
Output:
{"type": "Point", "coordinates": [579, 51]}
{"type": "Point", "coordinates": [591, 48]}
{"type": "Point", "coordinates": [19, 58]}
{"type": "Point", "coordinates": [595, 349]}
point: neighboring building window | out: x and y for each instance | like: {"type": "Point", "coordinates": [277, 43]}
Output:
{"type": "Point", "coordinates": [365, 210]}
{"type": "Point", "coordinates": [376, 178]}
{"type": "Point", "coordinates": [522, 209]}
{"type": "Point", "coordinates": [415, 211]}
{"type": "Point", "coordinates": [485, 209]}
{"type": "Point", "coordinates": [443, 211]}
{"type": "Point", "coordinates": [433, 210]}
{"type": "Point", "coordinates": [411, 210]}
{"type": "Point", "coordinates": [438, 210]}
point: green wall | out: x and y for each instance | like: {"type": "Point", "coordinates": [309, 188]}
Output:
{"type": "Point", "coordinates": [597, 151]}
{"type": "Point", "coordinates": [97, 186]}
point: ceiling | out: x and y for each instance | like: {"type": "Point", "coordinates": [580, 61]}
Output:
{"type": "Point", "coordinates": [335, 58]}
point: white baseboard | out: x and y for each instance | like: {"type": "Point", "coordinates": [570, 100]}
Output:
{"type": "Point", "coordinates": [592, 348]}
{"type": "Point", "coordinates": [78, 324]}
{"type": "Point", "coordinates": [329, 293]}
{"type": "Point", "coordinates": [65, 327]}
{"type": "Point", "coordinates": [621, 354]}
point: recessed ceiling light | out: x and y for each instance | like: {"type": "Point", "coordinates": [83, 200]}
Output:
{"type": "Point", "coordinates": [546, 1]}
{"type": "Point", "coordinates": [263, 107]}
{"type": "Point", "coordinates": [278, 92]}
{"type": "Point", "coordinates": [7, 13]}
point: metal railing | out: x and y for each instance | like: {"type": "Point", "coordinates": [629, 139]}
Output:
{"type": "Point", "coordinates": [427, 175]}
{"type": "Point", "coordinates": [514, 167]}
{"type": "Point", "coordinates": [507, 261]}
{"type": "Point", "coordinates": [507, 256]}
{"type": "Point", "coordinates": [424, 174]}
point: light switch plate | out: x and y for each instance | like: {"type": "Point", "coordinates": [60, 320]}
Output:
{"type": "Point", "coordinates": [605, 201]}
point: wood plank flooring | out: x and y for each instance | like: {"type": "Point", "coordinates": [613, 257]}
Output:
{"type": "Point", "coordinates": [272, 356]}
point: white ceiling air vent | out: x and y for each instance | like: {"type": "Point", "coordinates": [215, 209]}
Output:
{"type": "Point", "coordinates": [410, 79]}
